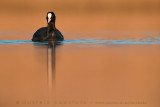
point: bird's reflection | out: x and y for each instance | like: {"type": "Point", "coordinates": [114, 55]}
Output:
{"type": "Point", "coordinates": [51, 64]}
{"type": "Point", "coordinates": [51, 61]}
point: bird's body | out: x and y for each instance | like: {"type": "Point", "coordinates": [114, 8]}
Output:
{"type": "Point", "coordinates": [49, 33]}
{"type": "Point", "coordinates": [41, 35]}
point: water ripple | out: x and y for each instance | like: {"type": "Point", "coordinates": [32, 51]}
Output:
{"type": "Point", "coordinates": [91, 41]}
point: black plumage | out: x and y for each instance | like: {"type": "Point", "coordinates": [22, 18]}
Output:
{"type": "Point", "coordinates": [49, 33]}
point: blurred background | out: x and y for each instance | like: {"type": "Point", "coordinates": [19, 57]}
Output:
{"type": "Point", "coordinates": [81, 15]}
{"type": "Point", "coordinates": [85, 69]}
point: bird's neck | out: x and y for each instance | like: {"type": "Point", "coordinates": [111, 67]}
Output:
{"type": "Point", "coordinates": [51, 26]}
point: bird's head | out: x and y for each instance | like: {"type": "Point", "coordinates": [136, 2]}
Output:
{"type": "Point", "coordinates": [50, 17]}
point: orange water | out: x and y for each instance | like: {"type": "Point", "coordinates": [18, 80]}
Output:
{"type": "Point", "coordinates": [109, 58]}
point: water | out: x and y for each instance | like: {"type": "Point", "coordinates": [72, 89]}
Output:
{"type": "Point", "coordinates": [109, 58]}
{"type": "Point", "coordinates": [92, 69]}
{"type": "Point", "coordinates": [92, 41]}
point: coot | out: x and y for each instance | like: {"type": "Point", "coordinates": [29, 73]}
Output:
{"type": "Point", "coordinates": [49, 33]}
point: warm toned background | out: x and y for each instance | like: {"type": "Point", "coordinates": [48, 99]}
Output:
{"type": "Point", "coordinates": [81, 15]}
{"type": "Point", "coordinates": [90, 72]}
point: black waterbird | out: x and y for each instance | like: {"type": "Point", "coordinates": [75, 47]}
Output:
{"type": "Point", "coordinates": [49, 33]}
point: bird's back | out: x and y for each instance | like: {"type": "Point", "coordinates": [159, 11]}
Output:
{"type": "Point", "coordinates": [40, 34]}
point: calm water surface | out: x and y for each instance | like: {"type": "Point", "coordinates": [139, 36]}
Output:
{"type": "Point", "coordinates": [110, 56]}
{"type": "Point", "coordinates": [92, 69]}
